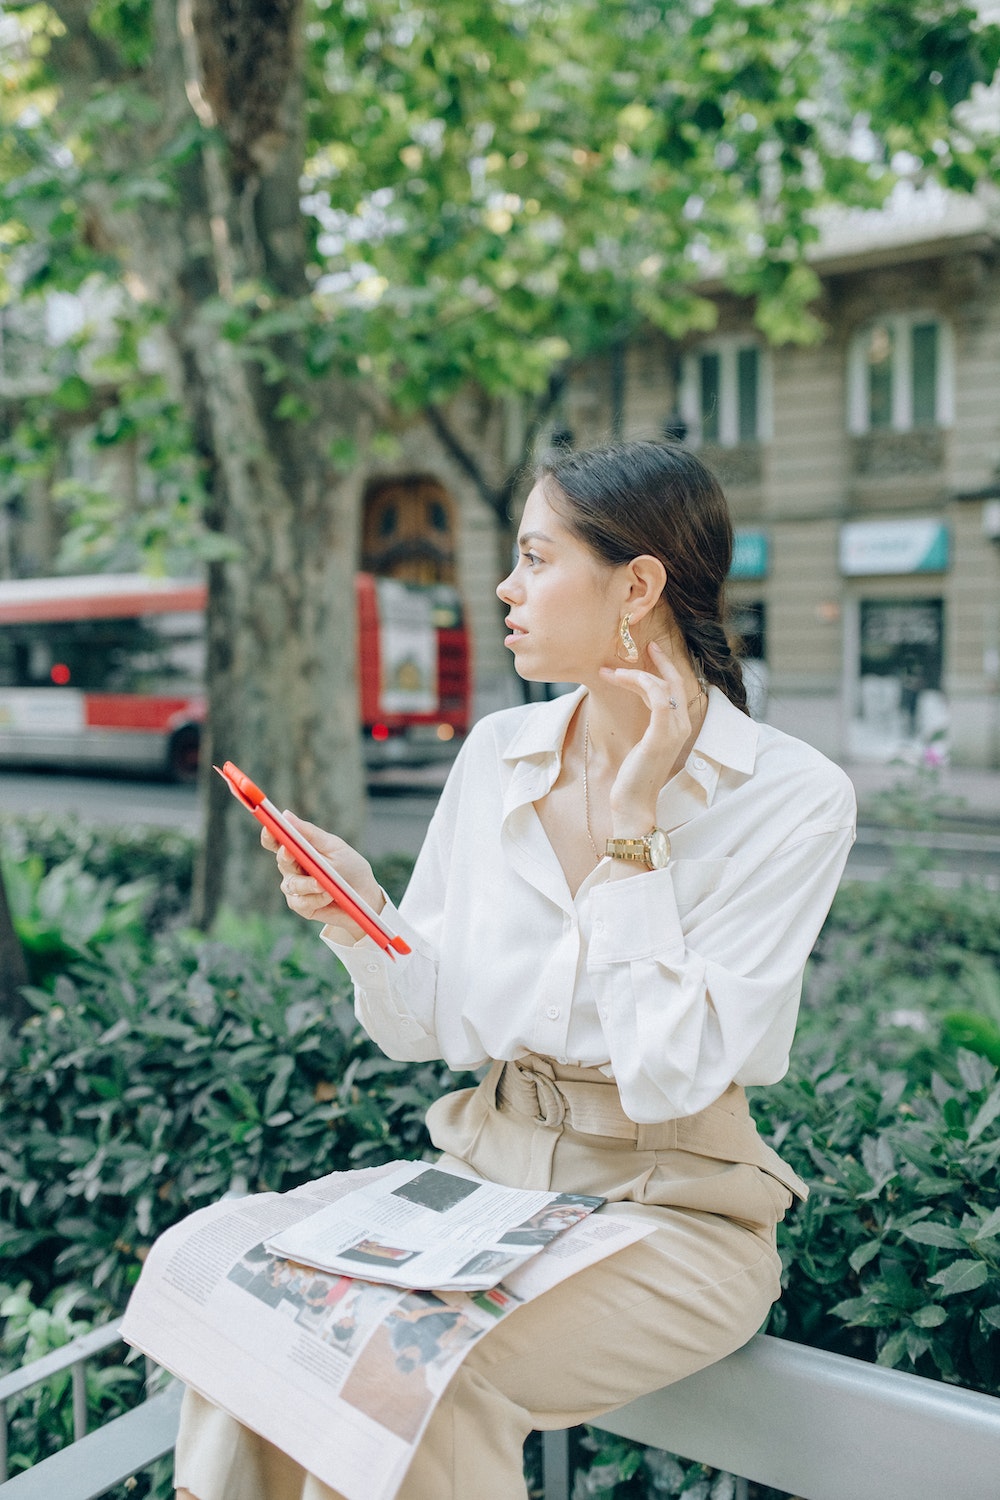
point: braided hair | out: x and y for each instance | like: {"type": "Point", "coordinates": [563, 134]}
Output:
{"type": "Point", "coordinates": [657, 498]}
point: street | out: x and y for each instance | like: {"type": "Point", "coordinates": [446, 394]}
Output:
{"type": "Point", "coordinates": [399, 809]}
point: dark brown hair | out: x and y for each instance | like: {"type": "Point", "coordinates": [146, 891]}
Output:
{"type": "Point", "coordinates": [627, 499]}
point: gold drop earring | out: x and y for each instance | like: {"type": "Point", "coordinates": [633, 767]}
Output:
{"type": "Point", "coordinates": [631, 649]}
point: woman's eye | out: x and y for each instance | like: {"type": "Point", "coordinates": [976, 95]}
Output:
{"type": "Point", "coordinates": [531, 558]}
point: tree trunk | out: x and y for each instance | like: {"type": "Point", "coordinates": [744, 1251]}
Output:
{"type": "Point", "coordinates": [14, 1009]}
{"type": "Point", "coordinates": [281, 678]}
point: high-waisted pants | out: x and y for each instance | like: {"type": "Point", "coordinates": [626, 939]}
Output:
{"type": "Point", "coordinates": [695, 1289]}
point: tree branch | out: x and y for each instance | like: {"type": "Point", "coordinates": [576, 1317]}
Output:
{"type": "Point", "coordinates": [450, 442]}
{"type": "Point", "coordinates": [498, 497]}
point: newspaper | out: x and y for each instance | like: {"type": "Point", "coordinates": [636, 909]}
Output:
{"type": "Point", "coordinates": [425, 1228]}
{"type": "Point", "coordinates": [341, 1374]}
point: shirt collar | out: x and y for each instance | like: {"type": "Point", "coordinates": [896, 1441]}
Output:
{"type": "Point", "coordinates": [543, 730]}
{"type": "Point", "coordinates": [727, 740]}
{"type": "Point", "coordinates": [534, 756]}
{"type": "Point", "coordinates": [728, 736]}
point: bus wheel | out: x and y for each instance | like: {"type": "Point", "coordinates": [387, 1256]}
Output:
{"type": "Point", "coordinates": [182, 754]}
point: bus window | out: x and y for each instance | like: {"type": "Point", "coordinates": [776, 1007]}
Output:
{"type": "Point", "coordinates": [109, 670]}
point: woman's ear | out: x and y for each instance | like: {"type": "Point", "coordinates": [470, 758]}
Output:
{"type": "Point", "coordinates": [645, 579]}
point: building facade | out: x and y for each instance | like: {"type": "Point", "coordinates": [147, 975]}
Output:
{"type": "Point", "coordinates": [864, 478]}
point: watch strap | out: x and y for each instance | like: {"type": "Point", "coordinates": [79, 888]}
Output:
{"type": "Point", "coordinates": [634, 850]}
{"type": "Point", "coordinates": [652, 850]}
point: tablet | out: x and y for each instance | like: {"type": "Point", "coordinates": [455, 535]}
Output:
{"type": "Point", "coordinates": [309, 859]}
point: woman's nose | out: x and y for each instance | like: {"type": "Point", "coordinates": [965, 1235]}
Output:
{"type": "Point", "coordinates": [504, 591]}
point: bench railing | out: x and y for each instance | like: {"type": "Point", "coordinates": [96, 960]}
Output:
{"type": "Point", "coordinates": [823, 1427]}
{"type": "Point", "coordinates": [94, 1462]}
{"type": "Point", "coordinates": [73, 1357]}
{"type": "Point", "coordinates": [808, 1423]}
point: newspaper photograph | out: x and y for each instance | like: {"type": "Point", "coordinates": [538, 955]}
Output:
{"type": "Point", "coordinates": [425, 1228]}
{"type": "Point", "coordinates": [342, 1374]}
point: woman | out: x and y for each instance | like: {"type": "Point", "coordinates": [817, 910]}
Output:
{"type": "Point", "coordinates": [614, 904]}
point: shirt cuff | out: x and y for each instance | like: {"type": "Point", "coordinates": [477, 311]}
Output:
{"type": "Point", "coordinates": [635, 919]}
{"type": "Point", "coordinates": [364, 958]}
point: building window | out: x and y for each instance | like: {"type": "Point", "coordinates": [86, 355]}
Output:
{"type": "Point", "coordinates": [900, 375]}
{"type": "Point", "coordinates": [724, 394]}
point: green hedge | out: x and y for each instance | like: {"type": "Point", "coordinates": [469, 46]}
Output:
{"type": "Point", "coordinates": [160, 1069]}
{"type": "Point", "coordinates": [891, 1111]}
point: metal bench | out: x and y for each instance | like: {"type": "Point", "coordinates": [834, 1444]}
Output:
{"type": "Point", "coordinates": [815, 1425]}
{"type": "Point", "coordinates": [819, 1426]}
{"type": "Point", "coordinates": [94, 1462]}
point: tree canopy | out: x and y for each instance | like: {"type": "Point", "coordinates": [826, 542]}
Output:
{"type": "Point", "coordinates": [298, 223]}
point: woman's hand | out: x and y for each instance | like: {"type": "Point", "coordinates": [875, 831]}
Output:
{"type": "Point", "coordinates": [305, 896]}
{"type": "Point", "coordinates": [649, 765]}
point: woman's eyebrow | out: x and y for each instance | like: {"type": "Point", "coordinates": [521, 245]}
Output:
{"type": "Point", "coordinates": [532, 536]}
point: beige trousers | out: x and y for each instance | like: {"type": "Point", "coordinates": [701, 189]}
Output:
{"type": "Point", "coordinates": [695, 1289]}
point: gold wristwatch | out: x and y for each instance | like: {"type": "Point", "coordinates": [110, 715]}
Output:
{"type": "Point", "coordinates": [652, 850]}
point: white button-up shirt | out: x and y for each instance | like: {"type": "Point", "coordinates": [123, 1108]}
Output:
{"type": "Point", "coordinates": [678, 981]}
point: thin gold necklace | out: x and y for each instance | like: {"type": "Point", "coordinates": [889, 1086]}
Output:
{"type": "Point", "coordinates": [702, 692]}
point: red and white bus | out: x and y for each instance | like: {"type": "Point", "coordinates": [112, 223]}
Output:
{"type": "Point", "coordinates": [108, 670]}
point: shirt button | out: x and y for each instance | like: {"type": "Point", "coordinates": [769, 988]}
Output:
{"type": "Point", "coordinates": [698, 763]}
{"type": "Point", "coordinates": [598, 925]}
{"type": "Point", "coordinates": [552, 1013]}
{"type": "Point", "coordinates": [604, 1012]}
{"type": "Point", "coordinates": [372, 968]}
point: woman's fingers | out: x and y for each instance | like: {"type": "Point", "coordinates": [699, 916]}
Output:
{"type": "Point", "coordinates": [657, 686]}
{"type": "Point", "coordinates": [650, 763]}
{"type": "Point", "coordinates": [304, 895]}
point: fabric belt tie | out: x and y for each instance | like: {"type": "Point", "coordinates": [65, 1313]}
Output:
{"type": "Point", "coordinates": [536, 1088]}
{"type": "Point", "coordinates": [543, 1100]}
{"type": "Point", "coordinates": [591, 1108]}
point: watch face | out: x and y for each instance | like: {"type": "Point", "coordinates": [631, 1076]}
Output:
{"type": "Point", "coordinates": [659, 849]}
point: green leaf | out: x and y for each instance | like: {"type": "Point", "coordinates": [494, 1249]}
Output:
{"type": "Point", "coordinates": [987, 1113]}
{"type": "Point", "coordinates": [292, 408]}
{"type": "Point", "coordinates": [893, 1350]}
{"type": "Point", "coordinates": [344, 453]}
{"type": "Point", "coordinates": [73, 394]}
{"type": "Point", "coordinates": [961, 1276]}
{"type": "Point", "coordinates": [935, 1234]}
{"type": "Point", "coordinates": [989, 1228]}
{"type": "Point", "coordinates": [863, 1254]}
{"type": "Point", "coordinates": [878, 1158]}
{"type": "Point", "coordinates": [931, 1316]}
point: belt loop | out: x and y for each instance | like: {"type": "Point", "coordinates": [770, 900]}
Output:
{"type": "Point", "coordinates": [659, 1136]}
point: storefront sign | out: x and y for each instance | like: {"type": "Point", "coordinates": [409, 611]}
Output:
{"type": "Point", "coordinates": [749, 555]}
{"type": "Point", "coordinates": [879, 547]}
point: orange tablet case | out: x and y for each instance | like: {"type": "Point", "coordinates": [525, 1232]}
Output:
{"type": "Point", "coordinates": [308, 857]}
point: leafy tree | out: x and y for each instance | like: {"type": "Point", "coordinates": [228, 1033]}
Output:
{"type": "Point", "coordinates": [339, 215]}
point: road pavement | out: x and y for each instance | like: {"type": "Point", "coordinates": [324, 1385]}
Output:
{"type": "Point", "coordinates": [401, 803]}
{"type": "Point", "coordinates": [398, 814]}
